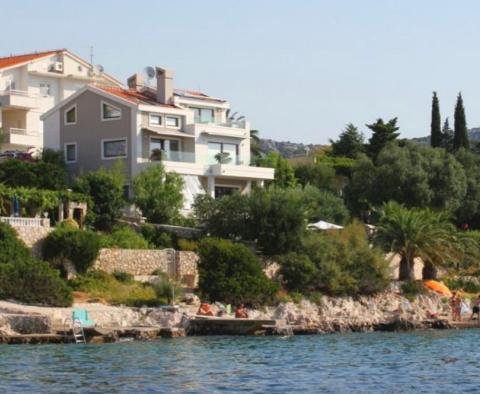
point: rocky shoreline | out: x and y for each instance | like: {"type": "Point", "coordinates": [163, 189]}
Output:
{"type": "Point", "coordinates": [387, 311]}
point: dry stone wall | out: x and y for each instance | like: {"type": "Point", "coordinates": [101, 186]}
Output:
{"type": "Point", "coordinates": [33, 237]}
{"type": "Point", "coordinates": [143, 262]}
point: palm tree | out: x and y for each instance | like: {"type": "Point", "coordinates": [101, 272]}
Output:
{"type": "Point", "coordinates": [420, 233]}
{"type": "Point", "coordinates": [255, 150]}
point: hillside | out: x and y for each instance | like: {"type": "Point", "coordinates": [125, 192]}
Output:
{"type": "Point", "coordinates": [474, 134]}
{"type": "Point", "coordinates": [286, 148]}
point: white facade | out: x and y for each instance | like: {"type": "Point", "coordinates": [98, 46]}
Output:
{"type": "Point", "coordinates": [30, 85]}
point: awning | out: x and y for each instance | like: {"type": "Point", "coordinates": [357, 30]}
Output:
{"type": "Point", "coordinates": [322, 225]}
{"type": "Point", "coordinates": [169, 133]}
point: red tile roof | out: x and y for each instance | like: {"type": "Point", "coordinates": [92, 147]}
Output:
{"type": "Point", "coordinates": [19, 59]}
{"type": "Point", "coordinates": [145, 97]}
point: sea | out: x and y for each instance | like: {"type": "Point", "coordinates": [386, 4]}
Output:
{"type": "Point", "coordinates": [441, 361]}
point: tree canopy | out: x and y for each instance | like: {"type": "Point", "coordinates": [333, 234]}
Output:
{"type": "Point", "coordinates": [382, 134]}
{"type": "Point", "coordinates": [349, 143]}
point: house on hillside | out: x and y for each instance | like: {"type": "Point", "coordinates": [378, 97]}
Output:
{"type": "Point", "coordinates": [188, 131]}
{"type": "Point", "coordinates": [33, 83]}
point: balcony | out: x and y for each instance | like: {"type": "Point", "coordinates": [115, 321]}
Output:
{"type": "Point", "coordinates": [234, 129]}
{"type": "Point", "coordinates": [18, 99]}
{"type": "Point", "coordinates": [22, 137]}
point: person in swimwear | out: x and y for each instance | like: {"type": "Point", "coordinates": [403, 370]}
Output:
{"type": "Point", "coordinates": [204, 310]}
{"type": "Point", "coordinates": [241, 312]}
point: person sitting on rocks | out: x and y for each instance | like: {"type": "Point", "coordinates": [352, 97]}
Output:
{"type": "Point", "coordinates": [205, 310]}
{"type": "Point", "coordinates": [476, 308]}
{"type": "Point", "coordinates": [241, 312]}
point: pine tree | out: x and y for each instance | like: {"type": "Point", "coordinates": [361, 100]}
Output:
{"type": "Point", "coordinates": [460, 137]}
{"type": "Point", "coordinates": [349, 143]}
{"type": "Point", "coordinates": [435, 131]}
{"type": "Point", "coordinates": [383, 133]}
{"type": "Point", "coordinates": [447, 136]}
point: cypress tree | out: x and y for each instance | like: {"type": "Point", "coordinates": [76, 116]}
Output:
{"type": "Point", "coordinates": [447, 136]}
{"type": "Point", "coordinates": [435, 131]}
{"type": "Point", "coordinates": [460, 137]}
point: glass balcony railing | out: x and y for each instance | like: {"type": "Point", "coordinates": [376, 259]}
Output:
{"type": "Point", "coordinates": [190, 157]}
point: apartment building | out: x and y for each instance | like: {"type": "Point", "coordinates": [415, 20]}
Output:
{"type": "Point", "coordinates": [31, 84]}
{"type": "Point", "coordinates": [188, 131]}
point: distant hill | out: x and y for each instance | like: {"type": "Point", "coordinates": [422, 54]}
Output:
{"type": "Point", "coordinates": [286, 148]}
{"type": "Point", "coordinates": [474, 134]}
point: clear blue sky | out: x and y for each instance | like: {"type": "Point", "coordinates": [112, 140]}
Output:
{"type": "Point", "coordinates": [299, 70]}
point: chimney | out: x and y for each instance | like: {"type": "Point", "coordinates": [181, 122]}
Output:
{"type": "Point", "coordinates": [135, 82]}
{"type": "Point", "coordinates": [164, 85]}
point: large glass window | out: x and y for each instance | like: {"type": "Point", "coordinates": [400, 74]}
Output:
{"type": "Point", "coordinates": [45, 89]}
{"type": "Point", "coordinates": [164, 149]}
{"type": "Point", "coordinates": [114, 148]}
{"type": "Point", "coordinates": [204, 115]}
{"type": "Point", "coordinates": [222, 153]}
{"type": "Point", "coordinates": [110, 112]}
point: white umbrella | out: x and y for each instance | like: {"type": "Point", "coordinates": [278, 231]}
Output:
{"type": "Point", "coordinates": [322, 225]}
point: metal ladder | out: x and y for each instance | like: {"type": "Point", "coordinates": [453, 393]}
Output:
{"type": "Point", "coordinates": [77, 331]}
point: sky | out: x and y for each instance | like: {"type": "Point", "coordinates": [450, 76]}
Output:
{"type": "Point", "coordinates": [298, 70]}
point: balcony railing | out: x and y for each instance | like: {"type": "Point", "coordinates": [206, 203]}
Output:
{"type": "Point", "coordinates": [239, 124]}
{"type": "Point", "coordinates": [32, 133]}
{"type": "Point", "coordinates": [25, 222]}
{"type": "Point", "coordinates": [21, 93]}
{"type": "Point", "coordinates": [190, 157]}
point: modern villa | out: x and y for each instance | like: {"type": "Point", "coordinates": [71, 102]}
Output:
{"type": "Point", "coordinates": [31, 84]}
{"type": "Point", "coordinates": [140, 125]}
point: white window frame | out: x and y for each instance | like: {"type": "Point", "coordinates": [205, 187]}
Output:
{"type": "Point", "coordinates": [102, 115]}
{"type": "Point", "coordinates": [179, 125]}
{"type": "Point", "coordinates": [74, 106]}
{"type": "Point", "coordinates": [65, 152]}
{"type": "Point", "coordinates": [150, 119]}
{"type": "Point", "coordinates": [102, 141]}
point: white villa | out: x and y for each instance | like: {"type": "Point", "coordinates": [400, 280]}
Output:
{"type": "Point", "coordinates": [140, 125]}
{"type": "Point", "coordinates": [31, 84]}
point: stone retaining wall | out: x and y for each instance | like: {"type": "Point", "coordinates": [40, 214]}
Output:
{"type": "Point", "coordinates": [143, 262]}
{"type": "Point", "coordinates": [33, 237]}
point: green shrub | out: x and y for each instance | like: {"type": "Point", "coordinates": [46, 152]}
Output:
{"type": "Point", "coordinates": [69, 224]}
{"type": "Point", "coordinates": [78, 246]}
{"type": "Point", "coordinates": [166, 289]}
{"type": "Point", "coordinates": [99, 284]}
{"type": "Point", "coordinates": [158, 238]}
{"type": "Point", "coordinates": [33, 282]}
{"type": "Point", "coordinates": [231, 273]}
{"type": "Point", "coordinates": [346, 263]}
{"type": "Point", "coordinates": [411, 289]}
{"type": "Point", "coordinates": [124, 237]}
{"type": "Point", "coordinates": [298, 271]}
{"type": "Point", "coordinates": [466, 284]}
{"type": "Point", "coordinates": [187, 245]}
{"type": "Point", "coordinates": [123, 277]}
{"type": "Point", "coordinates": [12, 249]}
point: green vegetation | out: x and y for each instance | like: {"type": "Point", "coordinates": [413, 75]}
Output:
{"type": "Point", "coordinates": [156, 237]}
{"type": "Point", "coordinates": [78, 246]}
{"type": "Point", "coordinates": [435, 127]}
{"type": "Point", "coordinates": [284, 173]}
{"type": "Point", "coordinates": [115, 291]}
{"type": "Point", "coordinates": [105, 189]}
{"type": "Point", "coordinates": [411, 289]}
{"type": "Point", "coordinates": [382, 134]}
{"type": "Point", "coordinates": [158, 194]}
{"type": "Point", "coordinates": [124, 237]}
{"type": "Point", "coordinates": [349, 144]}
{"type": "Point", "coordinates": [336, 263]}
{"type": "Point", "coordinates": [27, 280]}
{"type": "Point", "coordinates": [231, 273]}
{"type": "Point", "coordinates": [460, 137]}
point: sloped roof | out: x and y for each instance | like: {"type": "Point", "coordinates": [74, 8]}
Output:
{"type": "Point", "coordinates": [13, 60]}
{"type": "Point", "coordinates": [144, 97]}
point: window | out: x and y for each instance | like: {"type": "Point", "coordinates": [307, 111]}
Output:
{"type": "Point", "coordinates": [110, 112]}
{"type": "Point", "coordinates": [9, 84]}
{"type": "Point", "coordinates": [114, 148]}
{"type": "Point", "coordinates": [71, 152]}
{"type": "Point", "coordinates": [172, 121]}
{"type": "Point", "coordinates": [45, 89]}
{"type": "Point", "coordinates": [222, 153]}
{"type": "Point", "coordinates": [164, 149]}
{"type": "Point", "coordinates": [71, 115]}
{"type": "Point", "coordinates": [155, 120]}
{"type": "Point", "coordinates": [204, 115]}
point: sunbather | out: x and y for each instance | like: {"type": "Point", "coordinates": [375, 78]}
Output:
{"type": "Point", "coordinates": [204, 310]}
{"type": "Point", "coordinates": [241, 312]}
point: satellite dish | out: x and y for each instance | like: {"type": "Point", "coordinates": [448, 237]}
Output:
{"type": "Point", "coordinates": [149, 72]}
{"type": "Point", "coordinates": [98, 69]}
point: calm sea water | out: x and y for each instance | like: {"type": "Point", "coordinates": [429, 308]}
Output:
{"type": "Point", "coordinates": [420, 362]}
